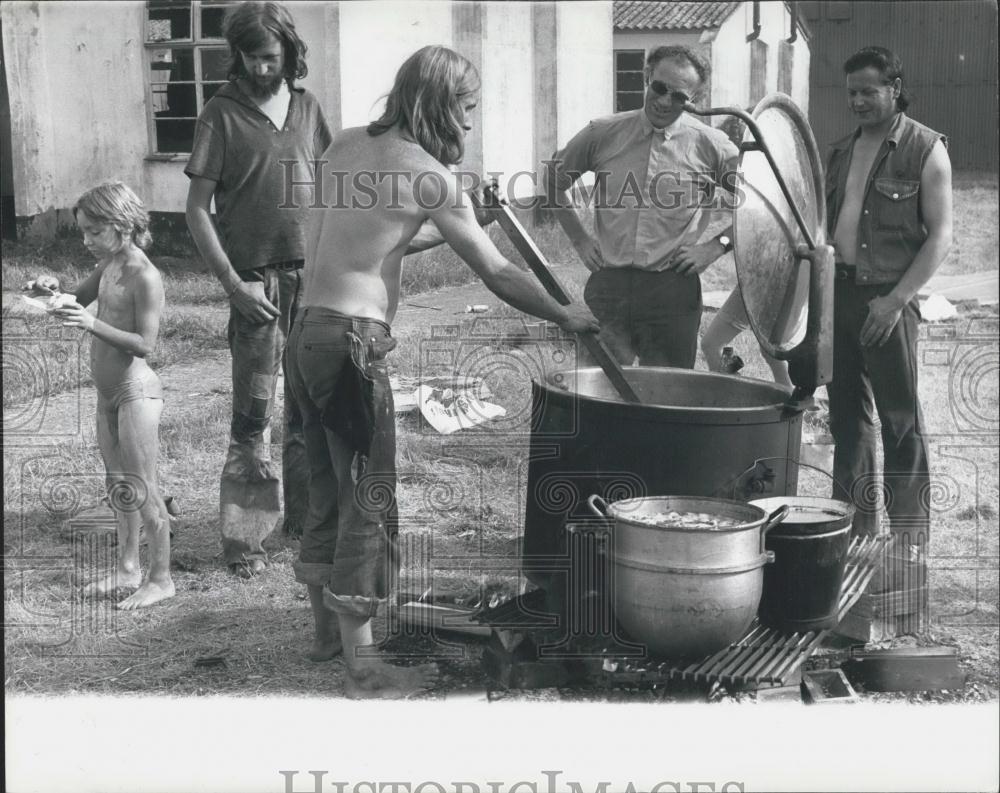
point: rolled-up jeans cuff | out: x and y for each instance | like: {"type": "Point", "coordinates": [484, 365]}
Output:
{"type": "Point", "coordinates": [352, 605]}
{"type": "Point", "coordinates": [312, 573]}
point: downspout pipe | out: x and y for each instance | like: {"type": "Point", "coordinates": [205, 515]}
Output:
{"type": "Point", "coordinates": [756, 22]}
{"type": "Point", "coordinates": [793, 9]}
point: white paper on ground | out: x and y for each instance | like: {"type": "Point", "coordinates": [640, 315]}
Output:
{"type": "Point", "coordinates": [450, 414]}
{"type": "Point", "coordinates": [937, 308]}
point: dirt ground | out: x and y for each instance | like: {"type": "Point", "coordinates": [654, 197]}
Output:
{"type": "Point", "coordinates": [223, 636]}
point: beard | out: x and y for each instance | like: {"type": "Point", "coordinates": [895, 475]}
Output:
{"type": "Point", "coordinates": [264, 87]}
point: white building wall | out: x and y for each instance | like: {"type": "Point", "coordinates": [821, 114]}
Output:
{"type": "Point", "coordinates": [731, 56]}
{"type": "Point", "coordinates": [77, 99]}
{"type": "Point", "coordinates": [586, 65]}
{"type": "Point", "coordinates": [375, 38]}
{"type": "Point", "coordinates": [311, 23]}
{"type": "Point", "coordinates": [731, 61]}
{"type": "Point", "coordinates": [647, 40]}
{"type": "Point", "coordinates": [774, 23]}
{"type": "Point", "coordinates": [800, 74]}
{"type": "Point", "coordinates": [78, 89]}
{"type": "Point", "coordinates": [508, 92]}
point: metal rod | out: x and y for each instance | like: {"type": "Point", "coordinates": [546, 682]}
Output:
{"type": "Point", "coordinates": [712, 668]}
{"type": "Point", "coordinates": [736, 660]}
{"type": "Point", "coordinates": [770, 673]}
{"type": "Point", "coordinates": [848, 587]}
{"type": "Point", "coordinates": [764, 651]}
{"type": "Point", "coordinates": [793, 9]}
{"type": "Point", "coordinates": [860, 574]}
{"type": "Point", "coordinates": [697, 668]}
{"type": "Point", "coordinates": [762, 147]}
{"type": "Point", "coordinates": [793, 644]}
{"type": "Point", "coordinates": [781, 673]}
{"type": "Point", "coordinates": [782, 650]}
{"type": "Point", "coordinates": [535, 259]}
{"type": "Point", "coordinates": [756, 22]}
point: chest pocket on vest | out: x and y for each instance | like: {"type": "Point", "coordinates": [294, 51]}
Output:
{"type": "Point", "coordinates": [897, 204]}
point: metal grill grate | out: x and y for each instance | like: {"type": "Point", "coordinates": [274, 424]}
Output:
{"type": "Point", "coordinates": [764, 655]}
{"type": "Point", "coordinates": [522, 612]}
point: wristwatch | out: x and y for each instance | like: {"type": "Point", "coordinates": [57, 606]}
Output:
{"type": "Point", "coordinates": [727, 243]}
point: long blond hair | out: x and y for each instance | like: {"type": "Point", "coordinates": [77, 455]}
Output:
{"type": "Point", "coordinates": [426, 99]}
{"type": "Point", "coordinates": [117, 205]}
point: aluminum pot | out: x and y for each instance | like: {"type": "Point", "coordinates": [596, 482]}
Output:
{"type": "Point", "coordinates": [686, 592]}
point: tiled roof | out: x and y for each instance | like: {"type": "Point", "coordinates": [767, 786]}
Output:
{"type": "Point", "coordinates": [641, 15]}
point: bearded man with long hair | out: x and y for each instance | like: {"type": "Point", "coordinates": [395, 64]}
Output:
{"type": "Point", "coordinates": [256, 249]}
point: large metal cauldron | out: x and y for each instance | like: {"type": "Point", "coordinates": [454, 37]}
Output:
{"type": "Point", "coordinates": [696, 434]}
{"type": "Point", "coordinates": [685, 591]}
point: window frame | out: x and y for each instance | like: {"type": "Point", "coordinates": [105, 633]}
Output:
{"type": "Point", "coordinates": [617, 71]}
{"type": "Point", "coordinates": [195, 43]}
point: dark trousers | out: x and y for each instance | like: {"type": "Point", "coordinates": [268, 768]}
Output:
{"type": "Point", "coordinates": [350, 539]}
{"type": "Point", "coordinates": [882, 379]}
{"type": "Point", "coordinates": [651, 315]}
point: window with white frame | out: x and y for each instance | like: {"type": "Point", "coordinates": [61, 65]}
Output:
{"type": "Point", "coordinates": [187, 57]}
{"type": "Point", "coordinates": [630, 87]}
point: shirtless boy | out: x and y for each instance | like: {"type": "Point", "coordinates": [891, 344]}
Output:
{"type": "Point", "coordinates": [349, 555]}
{"type": "Point", "coordinates": [129, 292]}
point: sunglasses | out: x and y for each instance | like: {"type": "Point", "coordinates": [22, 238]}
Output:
{"type": "Point", "coordinates": [660, 88]}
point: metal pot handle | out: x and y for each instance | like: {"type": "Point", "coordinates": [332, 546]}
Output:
{"type": "Point", "coordinates": [600, 507]}
{"type": "Point", "coordinates": [800, 464]}
{"type": "Point", "coordinates": [773, 520]}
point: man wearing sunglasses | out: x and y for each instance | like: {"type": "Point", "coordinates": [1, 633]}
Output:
{"type": "Point", "coordinates": [656, 171]}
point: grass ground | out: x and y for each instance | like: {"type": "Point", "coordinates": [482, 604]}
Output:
{"type": "Point", "coordinates": [461, 497]}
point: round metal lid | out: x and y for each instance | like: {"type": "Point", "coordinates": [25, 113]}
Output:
{"type": "Point", "coordinates": [807, 515]}
{"type": "Point", "coordinates": [774, 284]}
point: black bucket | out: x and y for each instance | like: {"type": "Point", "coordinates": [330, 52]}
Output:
{"type": "Point", "coordinates": [802, 587]}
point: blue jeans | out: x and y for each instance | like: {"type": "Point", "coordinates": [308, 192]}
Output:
{"type": "Point", "coordinates": [257, 357]}
{"type": "Point", "coordinates": [350, 540]}
{"type": "Point", "coordinates": [653, 315]}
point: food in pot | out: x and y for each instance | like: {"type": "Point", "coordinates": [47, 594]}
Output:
{"type": "Point", "coordinates": [686, 520]}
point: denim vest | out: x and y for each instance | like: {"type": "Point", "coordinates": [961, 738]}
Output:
{"type": "Point", "coordinates": [891, 229]}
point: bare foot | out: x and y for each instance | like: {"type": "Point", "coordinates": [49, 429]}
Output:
{"type": "Point", "coordinates": [248, 569]}
{"type": "Point", "coordinates": [374, 679]}
{"type": "Point", "coordinates": [120, 579]}
{"type": "Point", "coordinates": [327, 643]}
{"type": "Point", "coordinates": [148, 594]}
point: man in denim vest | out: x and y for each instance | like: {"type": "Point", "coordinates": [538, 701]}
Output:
{"type": "Point", "coordinates": [889, 212]}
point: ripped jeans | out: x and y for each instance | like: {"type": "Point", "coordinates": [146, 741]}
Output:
{"type": "Point", "coordinates": [350, 540]}
{"type": "Point", "coordinates": [257, 359]}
